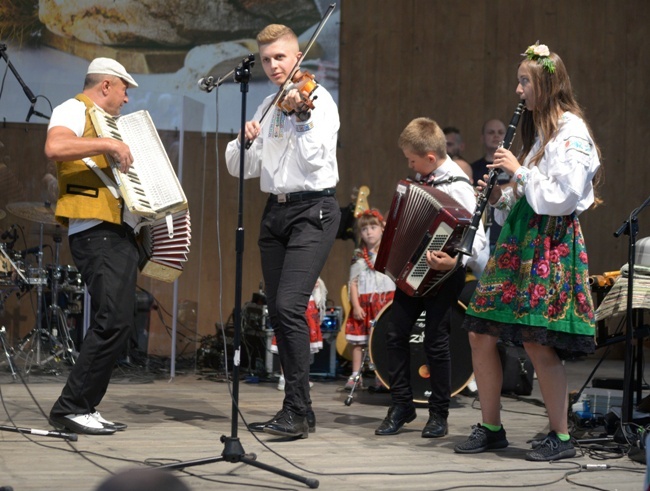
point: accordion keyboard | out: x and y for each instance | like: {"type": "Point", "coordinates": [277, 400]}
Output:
{"type": "Point", "coordinates": [150, 188]}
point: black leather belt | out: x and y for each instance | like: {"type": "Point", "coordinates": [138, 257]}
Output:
{"type": "Point", "coordinates": [301, 195]}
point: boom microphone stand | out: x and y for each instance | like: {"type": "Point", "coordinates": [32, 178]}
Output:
{"type": "Point", "coordinates": [30, 95]}
{"type": "Point", "coordinates": [631, 228]}
{"type": "Point", "coordinates": [233, 450]}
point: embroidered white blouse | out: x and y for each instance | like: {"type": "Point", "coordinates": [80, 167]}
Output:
{"type": "Point", "coordinates": [561, 183]}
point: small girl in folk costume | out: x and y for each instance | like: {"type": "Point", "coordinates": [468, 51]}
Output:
{"type": "Point", "coordinates": [370, 290]}
{"type": "Point", "coordinates": [315, 315]}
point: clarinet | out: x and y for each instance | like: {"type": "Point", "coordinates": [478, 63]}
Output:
{"type": "Point", "coordinates": [482, 200]}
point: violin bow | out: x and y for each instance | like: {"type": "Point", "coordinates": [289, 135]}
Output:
{"type": "Point", "coordinates": [283, 88]}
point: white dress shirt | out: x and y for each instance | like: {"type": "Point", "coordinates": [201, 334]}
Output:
{"type": "Point", "coordinates": [463, 192]}
{"type": "Point", "coordinates": [289, 155]}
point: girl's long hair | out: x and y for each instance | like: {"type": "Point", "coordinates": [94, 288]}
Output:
{"type": "Point", "coordinates": [553, 96]}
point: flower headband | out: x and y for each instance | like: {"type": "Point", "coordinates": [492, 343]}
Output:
{"type": "Point", "coordinates": [540, 53]}
{"type": "Point", "coordinates": [374, 213]}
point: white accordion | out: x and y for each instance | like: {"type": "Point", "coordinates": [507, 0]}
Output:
{"type": "Point", "coordinates": [151, 190]}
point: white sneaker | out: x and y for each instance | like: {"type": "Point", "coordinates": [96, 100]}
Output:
{"type": "Point", "coordinates": [87, 420]}
{"type": "Point", "coordinates": [106, 423]}
{"type": "Point", "coordinates": [84, 424]}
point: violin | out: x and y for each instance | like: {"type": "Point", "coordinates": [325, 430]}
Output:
{"type": "Point", "coordinates": [306, 84]}
{"type": "Point", "coordinates": [304, 81]}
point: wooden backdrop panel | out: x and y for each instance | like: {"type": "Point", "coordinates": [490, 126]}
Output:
{"type": "Point", "coordinates": [456, 62]}
{"type": "Point", "coordinates": [453, 61]}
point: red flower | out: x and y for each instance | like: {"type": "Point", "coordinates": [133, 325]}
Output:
{"type": "Point", "coordinates": [583, 257]}
{"type": "Point", "coordinates": [563, 249]}
{"type": "Point", "coordinates": [515, 263]}
{"type": "Point", "coordinates": [509, 292]}
{"type": "Point", "coordinates": [584, 308]}
{"type": "Point", "coordinates": [504, 260]}
{"type": "Point", "coordinates": [543, 268]}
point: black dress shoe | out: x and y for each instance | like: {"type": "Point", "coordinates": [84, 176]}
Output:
{"type": "Point", "coordinates": [288, 424]}
{"type": "Point", "coordinates": [259, 426]}
{"type": "Point", "coordinates": [83, 424]}
{"type": "Point", "coordinates": [436, 426]}
{"type": "Point", "coordinates": [397, 417]}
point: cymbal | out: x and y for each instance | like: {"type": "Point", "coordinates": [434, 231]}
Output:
{"type": "Point", "coordinates": [2, 214]}
{"type": "Point", "coordinates": [34, 212]}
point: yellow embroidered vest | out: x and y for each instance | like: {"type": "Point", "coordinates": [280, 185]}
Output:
{"type": "Point", "coordinates": [82, 194]}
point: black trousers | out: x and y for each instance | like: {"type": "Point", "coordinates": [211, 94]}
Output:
{"type": "Point", "coordinates": [107, 259]}
{"type": "Point", "coordinates": [295, 240]}
{"type": "Point", "coordinates": [404, 313]}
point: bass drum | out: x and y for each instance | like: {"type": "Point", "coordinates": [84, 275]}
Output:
{"type": "Point", "coordinates": [461, 356]}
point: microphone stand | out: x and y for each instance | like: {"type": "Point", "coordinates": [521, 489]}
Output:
{"type": "Point", "coordinates": [233, 450]}
{"type": "Point", "coordinates": [631, 228]}
{"type": "Point", "coordinates": [30, 95]}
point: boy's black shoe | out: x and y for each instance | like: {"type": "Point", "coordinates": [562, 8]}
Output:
{"type": "Point", "coordinates": [436, 426]}
{"type": "Point", "coordinates": [397, 417]}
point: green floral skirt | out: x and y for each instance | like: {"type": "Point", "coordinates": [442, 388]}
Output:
{"type": "Point", "coordinates": [535, 286]}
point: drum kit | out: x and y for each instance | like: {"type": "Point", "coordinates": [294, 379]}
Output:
{"type": "Point", "coordinates": [59, 289]}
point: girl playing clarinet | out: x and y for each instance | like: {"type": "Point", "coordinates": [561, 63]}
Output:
{"type": "Point", "coordinates": [534, 289]}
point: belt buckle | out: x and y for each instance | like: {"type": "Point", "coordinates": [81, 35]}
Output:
{"type": "Point", "coordinates": [282, 198]}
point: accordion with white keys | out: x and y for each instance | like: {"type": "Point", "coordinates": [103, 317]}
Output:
{"type": "Point", "coordinates": [150, 188]}
{"type": "Point", "coordinates": [421, 219]}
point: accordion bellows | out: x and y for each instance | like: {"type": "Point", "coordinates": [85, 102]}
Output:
{"type": "Point", "coordinates": [162, 256]}
{"type": "Point", "coordinates": [421, 219]}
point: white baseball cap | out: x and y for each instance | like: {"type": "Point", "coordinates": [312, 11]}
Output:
{"type": "Point", "coordinates": [108, 66]}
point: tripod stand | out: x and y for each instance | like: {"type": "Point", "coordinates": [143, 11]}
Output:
{"type": "Point", "coordinates": [57, 319]}
{"type": "Point", "coordinates": [631, 228]}
{"type": "Point", "coordinates": [233, 451]}
{"type": "Point", "coordinates": [34, 343]}
{"type": "Point", "coordinates": [8, 352]}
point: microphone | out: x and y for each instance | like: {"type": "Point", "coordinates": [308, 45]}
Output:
{"type": "Point", "coordinates": [30, 113]}
{"type": "Point", "coordinates": [206, 84]}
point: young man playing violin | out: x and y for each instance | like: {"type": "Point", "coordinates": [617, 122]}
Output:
{"type": "Point", "coordinates": [293, 152]}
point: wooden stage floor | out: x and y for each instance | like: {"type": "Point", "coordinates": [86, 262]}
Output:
{"type": "Point", "coordinates": [183, 419]}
